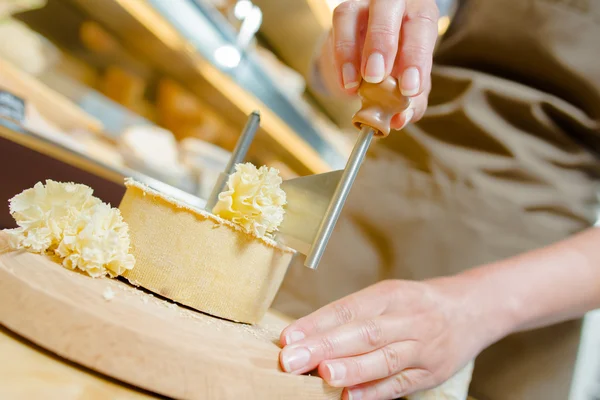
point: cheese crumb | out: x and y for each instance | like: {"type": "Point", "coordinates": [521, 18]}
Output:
{"type": "Point", "coordinates": [66, 220]}
{"type": "Point", "coordinates": [108, 294]}
{"type": "Point", "coordinates": [253, 199]}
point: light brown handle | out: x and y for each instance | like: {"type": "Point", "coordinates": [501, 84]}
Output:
{"type": "Point", "coordinates": [380, 102]}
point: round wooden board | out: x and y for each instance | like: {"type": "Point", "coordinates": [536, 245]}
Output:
{"type": "Point", "coordinates": [142, 340]}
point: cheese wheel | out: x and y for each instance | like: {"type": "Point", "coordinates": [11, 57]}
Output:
{"type": "Point", "coordinates": [200, 260]}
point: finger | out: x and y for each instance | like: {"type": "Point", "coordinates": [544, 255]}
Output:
{"type": "Point", "coordinates": [367, 303]}
{"type": "Point", "coordinates": [348, 340]}
{"type": "Point", "coordinates": [347, 20]}
{"type": "Point", "coordinates": [402, 384]}
{"type": "Point", "coordinates": [381, 41]}
{"type": "Point", "coordinates": [421, 102]}
{"type": "Point", "coordinates": [379, 364]}
{"type": "Point", "coordinates": [419, 34]}
{"type": "Point", "coordinates": [414, 112]}
{"type": "Point", "coordinates": [401, 120]}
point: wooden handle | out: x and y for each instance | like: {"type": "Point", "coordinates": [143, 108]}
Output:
{"type": "Point", "coordinates": [380, 102]}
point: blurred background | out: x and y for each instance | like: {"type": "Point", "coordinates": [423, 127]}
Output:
{"type": "Point", "coordinates": [163, 88]}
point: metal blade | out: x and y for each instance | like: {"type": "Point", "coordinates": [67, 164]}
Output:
{"type": "Point", "coordinates": [315, 203]}
{"type": "Point", "coordinates": [238, 155]}
{"type": "Point", "coordinates": [339, 197]}
{"type": "Point", "coordinates": [308, 198]}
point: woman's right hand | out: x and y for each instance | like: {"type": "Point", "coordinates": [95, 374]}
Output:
{"type": "Point", "coordinates": [372, 39]}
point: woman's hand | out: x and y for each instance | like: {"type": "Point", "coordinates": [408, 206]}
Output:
{"type": "Point", "coordinates": [372, 39]}
{"type": "Point", "coordinates": [391, 339]}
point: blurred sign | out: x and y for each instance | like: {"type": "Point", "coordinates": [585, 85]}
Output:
{"type": "Point", "coordinates": [12, 110]}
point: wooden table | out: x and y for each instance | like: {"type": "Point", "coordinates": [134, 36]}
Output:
{"type": "Point", "coordinates": [29, 372]}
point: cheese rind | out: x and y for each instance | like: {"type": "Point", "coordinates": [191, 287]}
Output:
{"type": "Point", "coordinates": [200, 260]}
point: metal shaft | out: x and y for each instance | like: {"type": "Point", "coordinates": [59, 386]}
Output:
{"type": "Point", "coordinates": [339, 197]}
{"type": "Point", "coordinates": [238, 156]}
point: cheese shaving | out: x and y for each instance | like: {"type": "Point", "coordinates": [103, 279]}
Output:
{"type": "Point", "coordinates": [67, 221]}
{"type": "Point", "coordinates": [253, 199]}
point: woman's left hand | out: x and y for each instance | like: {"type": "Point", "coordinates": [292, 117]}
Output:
{"type": "Point", "coordinates": [391, 339]}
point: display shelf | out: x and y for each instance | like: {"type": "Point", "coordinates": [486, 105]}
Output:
{"type": "Point", "coordinates": [180, 39]}
{"type": "Point", "coordinates": [208, 33]}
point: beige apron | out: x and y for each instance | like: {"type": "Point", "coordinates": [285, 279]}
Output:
{"type": "Point", "coordinates": [501, 164]}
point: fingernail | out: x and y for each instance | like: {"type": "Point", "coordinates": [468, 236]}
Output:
{"type": "Point", "coordinates": [411, 82]}
{"type": "Point", "coordinates": [408, 115]}
{"type": "Point", "coordinates": [349, 76]}
{"type": "Point", "coordinates": [294, 336]}
{"type": "Point", "coordinates": [337, 371]}
{"type": "Point", "coordinates": [295, 358]}
{"type": "Point", "coordinates": [375, 69]}
{"type": "Point", "coordinates": [355, 394]}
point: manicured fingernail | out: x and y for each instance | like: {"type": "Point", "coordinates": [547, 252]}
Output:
{"type": "Point", "coordinates": [355, 394]}
{"type": "Point", "coordinates": [375, 69]}
{"type": "Point", "coordinates": [350, 76]}
{"type": "Point", "coordinates": [294, 336]}
{"type": "Point", "coordinates": [411, 82]}
{"type": "Point", "coordinates": [408, 116]}
{"type": "Point", "coordinates": [337, 371]}
{"type": "Point", "coordinates": [294, 359]}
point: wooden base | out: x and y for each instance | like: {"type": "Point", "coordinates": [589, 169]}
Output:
{"type": "Point", "coordinates": [142, 340]}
